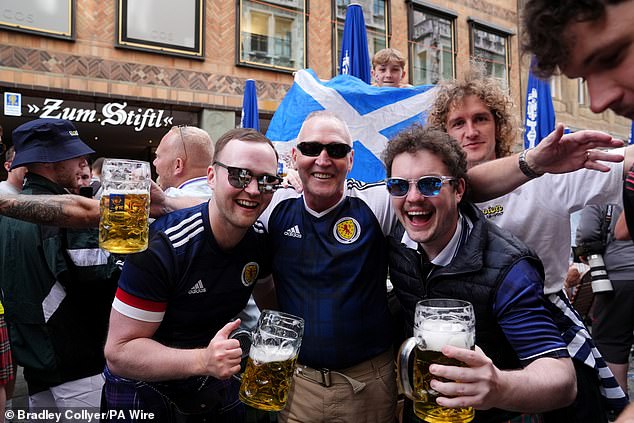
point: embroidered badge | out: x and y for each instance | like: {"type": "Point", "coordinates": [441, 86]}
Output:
{"type": "Point", "coordinates": [346, 230]}
{"type": "Point", "coordinates": [250, 273]}
{"type": "Point", "coordinates": [493, 211]}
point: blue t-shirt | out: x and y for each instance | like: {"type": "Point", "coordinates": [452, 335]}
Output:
{"type": "Point", "coordinates": [330, 268]}
{"type": "Point", "coordinates": [185, 281]}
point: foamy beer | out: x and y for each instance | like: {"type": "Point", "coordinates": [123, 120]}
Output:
{"type": "Point", "coordinates": [271, 363]}
{"type": "Point", "coordinates": [125, 206]}
{"type": "Point", "coordinates": [438, 322]}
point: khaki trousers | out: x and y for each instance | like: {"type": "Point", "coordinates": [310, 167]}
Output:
{"type": "Point", "coordinates": [310, 402]}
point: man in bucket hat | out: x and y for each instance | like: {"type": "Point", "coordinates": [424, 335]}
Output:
{"type": "Point", "coordinates": [57, 285]}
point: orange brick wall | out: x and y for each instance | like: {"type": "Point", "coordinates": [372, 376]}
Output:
{"type": "Point", "coordinates": [92, 66]}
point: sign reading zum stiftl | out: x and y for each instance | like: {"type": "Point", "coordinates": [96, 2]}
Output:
{"type": "Point", "coordinates": [113, 113]}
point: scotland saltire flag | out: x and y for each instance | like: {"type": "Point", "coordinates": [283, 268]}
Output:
{"type": "Point", "coordinates": [373, 114]}
{"type": "Point", "coordinates": [250, 115]}
{"type": "Point", "coordinates": [540, 114]}
{"type": "Point", "coordinates": [355, 59]}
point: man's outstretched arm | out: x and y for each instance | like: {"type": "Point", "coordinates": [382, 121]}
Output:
{"type": "Point", "coordinates": [75, 211]}
{"type": "Point", "coordinates": [70, 211]}
{"type": "Point", "coordinates": [557, 153]}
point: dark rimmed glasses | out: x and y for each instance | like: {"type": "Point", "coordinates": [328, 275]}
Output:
{"type": "Point", "coordinates": [428, 186]}
{"type": "Point", "coordinates": [335, 150]}
{"type": "Point", "coordinates": [241, 178]}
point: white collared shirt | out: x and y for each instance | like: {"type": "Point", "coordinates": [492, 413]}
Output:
{"type": "Point", "coordinates": [451, 249]}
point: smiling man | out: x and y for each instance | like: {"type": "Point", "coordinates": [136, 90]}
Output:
{"type": "Point", "coordinates": [170, 320]}
{"type": "Point", "coordinates": [446, 248]}
{"type": "Point", "coordinates": [330, 266]}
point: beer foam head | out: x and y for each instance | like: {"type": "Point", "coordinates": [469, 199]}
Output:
{"type": "Point", "coordinates": [126, 191]}
{"type": "Point", "coordinates": [268, 354]}
{"type": "Point", "coordinates": [432, 335]}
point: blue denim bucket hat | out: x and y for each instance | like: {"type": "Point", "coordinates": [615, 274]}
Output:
{"type": "Point", "coordinates": [47, 141]}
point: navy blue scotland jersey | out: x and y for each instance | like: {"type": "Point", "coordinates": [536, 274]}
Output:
{"type": "Point", "coordinates": [186, 282]}
{"type": "Point", "coordinates": [330, 268]}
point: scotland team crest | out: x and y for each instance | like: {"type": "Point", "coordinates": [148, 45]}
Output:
{"type": "Point", "coordinates": [346, 230]}
{"type": "Point", "coordinates": [250, 273]}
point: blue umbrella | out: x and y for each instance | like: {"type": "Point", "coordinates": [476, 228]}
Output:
{"type": "Point", "coordinates": [250, 117]}
{"type": "Point", "coordinates": [632, 134]}
{"type": "Point", "coordinates": [540, 114]}
{"type": "Point", "coordinates": [355, 59]}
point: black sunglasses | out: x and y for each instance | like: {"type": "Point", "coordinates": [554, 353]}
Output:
{"type": "Point", "coordinates": [428, 186]}
{"type": "Point", "coordinates": [240, 178]}
{"type": "Point", "coordinates": [336, 150]}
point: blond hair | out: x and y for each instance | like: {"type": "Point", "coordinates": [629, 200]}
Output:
{"type": "Point", "coordinates": [387, 55]}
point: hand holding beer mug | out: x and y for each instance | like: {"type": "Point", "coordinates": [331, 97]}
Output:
{"type": "Point", "coordinates": [438, 322]}
{"type": "Point", "coordinates": [125, 206]}
{"type": "Point", "coordinates": [271, 363]}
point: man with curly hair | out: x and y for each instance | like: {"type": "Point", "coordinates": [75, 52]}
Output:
{"type": "Point", "coordinates": [482, 98]}
{"type": "Point", "coordinates": [477, 112]}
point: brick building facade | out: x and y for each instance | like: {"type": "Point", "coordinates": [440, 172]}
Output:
{"type": "Point", "coordinates": [91, 75]}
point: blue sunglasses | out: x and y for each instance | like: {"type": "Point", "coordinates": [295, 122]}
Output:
{"type": "Point", "coordinates": [428, 186]}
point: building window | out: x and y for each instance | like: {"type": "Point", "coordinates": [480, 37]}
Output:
{"type": "Point", "coordinates": [432, 44]}
{"type": "Point", "coordinates": [490, 45]}
{"type": "Point", "coordinates": [272, 34]}
{"type": "Point", "coordinates": [162, 26]}
{"type": "Point", "coordinates": [375, 15]}
{"type": "Point", "coordinates": [52, 18]}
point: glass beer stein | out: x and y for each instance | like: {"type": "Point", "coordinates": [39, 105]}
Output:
{"type": "Point", "coordinates": [438, 322]}
{"type": "Point", "coordinates": [125, 206]}
{"type": "Point", "coordinates": [267, 378]}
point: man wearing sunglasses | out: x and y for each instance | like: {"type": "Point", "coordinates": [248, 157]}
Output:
{"type": "Point", "coordinates": [181, 162]}
{"type": "Point", "coordinates": [171, 318]}
{"type": "Point", "coordinates": [444, 247]}
{"type": "Point", "coordinates": [477, 112]}
{"type": "Point", "coordinates": [330, 267]}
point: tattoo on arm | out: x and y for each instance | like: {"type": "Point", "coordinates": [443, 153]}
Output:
{"type": "Point", "coordinates": [33, 209]}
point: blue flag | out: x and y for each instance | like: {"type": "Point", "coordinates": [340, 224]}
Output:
{"type": "Point", "coordinates": [373, 114]}
{"type": "Point", "coordinates": [540, 114]}
{"type": "Point", "coordinates": [250, 115]}
{"type": "Point", "coordinates": [355, 59]}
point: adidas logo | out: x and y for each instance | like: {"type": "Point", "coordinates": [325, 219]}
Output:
{"type": "Point", "coordinates": [198, 288]}
{"type": "Point", "coordinates": [294, 232]}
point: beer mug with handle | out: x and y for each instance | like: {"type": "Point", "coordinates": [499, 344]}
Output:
{"type": "Point", "coordinates": [271, 363]}
{"type": "Point", "coordinates": [125, 206]}
{"type": "Point", "coordinates": [438, 322]}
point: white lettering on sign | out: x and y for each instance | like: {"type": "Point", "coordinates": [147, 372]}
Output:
{"type": "Point", "coordinates": [113, 114]}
